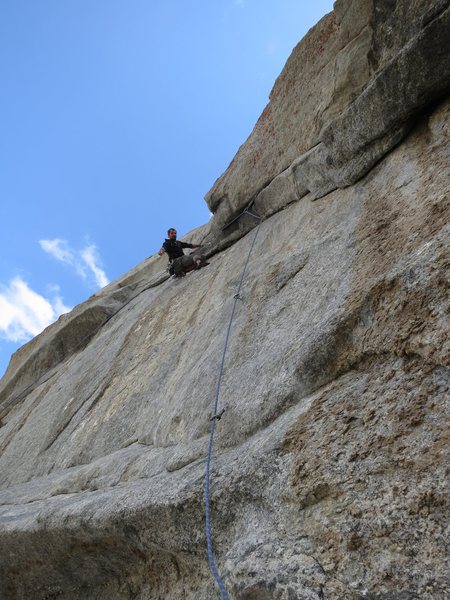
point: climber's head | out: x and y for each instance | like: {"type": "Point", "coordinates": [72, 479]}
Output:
{"type": "Point", "coordinates": [172, 233]}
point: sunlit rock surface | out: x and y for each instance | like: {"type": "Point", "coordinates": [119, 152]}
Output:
{"type": "Point", "coordinates": [350, 91]}
{"type": "Point", "coordinates": [329, 469]}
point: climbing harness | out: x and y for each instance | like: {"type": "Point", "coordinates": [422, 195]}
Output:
{"type": "Point", "coordinates": [217, 416]}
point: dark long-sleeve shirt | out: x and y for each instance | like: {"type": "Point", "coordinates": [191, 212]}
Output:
{"type": "Point", "coordinates": [174, 248]}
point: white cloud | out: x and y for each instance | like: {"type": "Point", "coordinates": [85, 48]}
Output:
{"type": "Point", "coordinates": [59, 249]}
{"type": "Point", "coordinates": [84, 261]}
{"type": "Point", "coordinates": [59, 307]}
{"type": "Point", "coordinates": [90, 257]}
{"type": "Point", "coordinates": [53, 288]}
{"type": "Point", "coordinates": [24, 313]}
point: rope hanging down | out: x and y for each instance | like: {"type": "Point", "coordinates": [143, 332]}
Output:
{"type": "Point", "coordinates": [216, 416]}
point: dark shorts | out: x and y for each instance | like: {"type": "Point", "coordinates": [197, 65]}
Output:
{"type": "Point", "coordinates": [186, 263]}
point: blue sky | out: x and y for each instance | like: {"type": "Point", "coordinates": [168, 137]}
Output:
{"type": "Point", "coordinates": [116, 117]}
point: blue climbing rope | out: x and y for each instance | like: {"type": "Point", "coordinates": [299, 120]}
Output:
{"type": "Point", "coordinates": [216, 416]}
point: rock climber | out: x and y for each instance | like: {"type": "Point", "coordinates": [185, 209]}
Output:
{"type": "Point", "coordinates": [180, 264]}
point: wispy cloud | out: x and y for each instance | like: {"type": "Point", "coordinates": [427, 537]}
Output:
{"type": "Point", "coordinates": [91, 258]}
{"type": "Point", "coordinates": [59, 249]}
{"type": "Point", "coordinates": [24, 313]}
{"type": "Point", "coordinates": [86, 261]}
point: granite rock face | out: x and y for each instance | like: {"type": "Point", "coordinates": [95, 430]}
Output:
{"type": "Point", "coordinates": [350, 91]}
{"type": "Point", "coordinates": [329, 467]}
